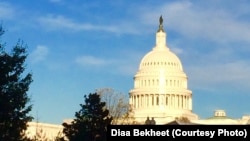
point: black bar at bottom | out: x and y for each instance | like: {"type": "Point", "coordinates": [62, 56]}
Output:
{"type": "Point", "coordinates": [178, 132]}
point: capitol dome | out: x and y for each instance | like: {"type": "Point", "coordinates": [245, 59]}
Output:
{"type": "Point", "coordinates": [160, 85]}
{"type": "Point", "coordinates": [164, 59]}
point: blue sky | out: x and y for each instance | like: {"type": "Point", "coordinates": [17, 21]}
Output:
{"type": "Point", "coordinates": [76, 47]}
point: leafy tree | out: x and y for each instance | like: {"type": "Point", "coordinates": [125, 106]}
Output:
{"type": "Point", "coordinates": [91, 121]}
{"type": "Point", "coordinates": [14, 85]}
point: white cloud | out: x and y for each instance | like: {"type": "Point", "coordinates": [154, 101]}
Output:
{"type": "Point", "coordinates": [91, 60]}
{"type": "Point", "coordinates": [210, 76]}
{"type": "Point", "coordinates": [56, 22]}
{"type": "Point", "coordinates": [39, 54]}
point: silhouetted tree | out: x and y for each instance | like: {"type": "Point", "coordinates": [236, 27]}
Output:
{"type": "Point", "coordinates": [14, 99]}
{"type": "Point", "coordinates": [91, 121]}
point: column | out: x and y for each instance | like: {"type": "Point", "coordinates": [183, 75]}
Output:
{"type": "Point", "coordinates": [190, 103]}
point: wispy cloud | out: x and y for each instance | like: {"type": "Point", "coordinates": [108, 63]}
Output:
{"type": "Point", "coordinates": [194, 21]}
{"type": "Point", "coordinates": [212, 75]}
{"type": "Point", "coordinates": [116, 65]}
{"type": "Point", "coordinates": [55, 1]}
{"type": "Point", "coordinates": [91, 61]}
{"type": "Point", "coordinates": [59, 22]}
{"type": "Point", "coordinates": [6, 11]}
{"type": "Point", "coordinates": [219, 67]}
{"type": "Point", "coordinates": [39, 54]}
{"type": "Point", "coordinates": [177, 50]}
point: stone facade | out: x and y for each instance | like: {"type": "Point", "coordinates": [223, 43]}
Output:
{"type": "Point", "coordinates": [44, 130]}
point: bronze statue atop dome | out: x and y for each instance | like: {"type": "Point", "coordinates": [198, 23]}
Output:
{"type": "Point", "coordinates": [161, 20]}
{"type": "Point", "coordinates": [161, 25]}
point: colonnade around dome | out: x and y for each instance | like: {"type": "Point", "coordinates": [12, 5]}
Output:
{"type": "Point", "coordinates": [163, 101]}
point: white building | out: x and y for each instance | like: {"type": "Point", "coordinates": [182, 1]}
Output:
{"type": "Point", "coordinates": [160, 85]}
{"type": "Point", "coordinates": [220, 118]}
{"type": "Point", "coordinates": [44, 131]}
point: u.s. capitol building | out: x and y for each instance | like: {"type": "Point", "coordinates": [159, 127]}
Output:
{"type": "Point", "coordinates": [160, 92]}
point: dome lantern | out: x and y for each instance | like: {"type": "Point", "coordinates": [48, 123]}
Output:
{"type": "Point", "coordinates": [161, 37]}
